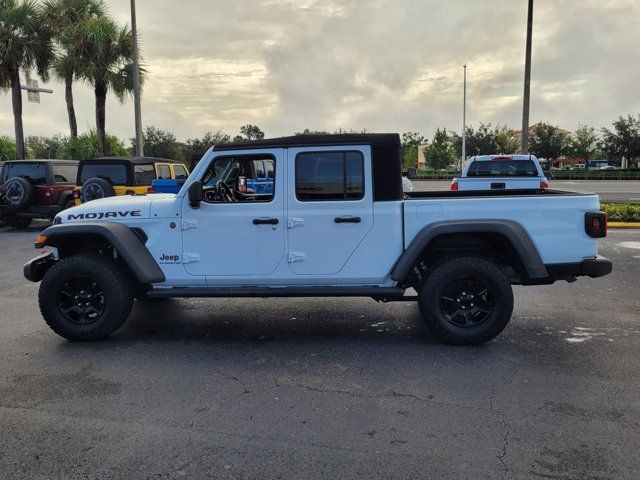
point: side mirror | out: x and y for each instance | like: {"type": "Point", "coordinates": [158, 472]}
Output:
{"type": "Point", "coordinates": [195, 194]}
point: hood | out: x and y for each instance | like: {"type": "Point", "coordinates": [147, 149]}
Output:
{"type": "Point", "coordinates": [113, 208]}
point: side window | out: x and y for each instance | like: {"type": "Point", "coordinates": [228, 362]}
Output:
{"type": "Point", "coordinates": [239, 179]}
{"type": "Point", "coordinates": [164, 172]}
{"type": "Point", "coordinates": [65, 173]}
{"type": "Point", "coordinates": [144, 174]}
{"type": "Point", "coordinates": [180, 172]}
{"type": "Point", "coordinates": [326, 176]}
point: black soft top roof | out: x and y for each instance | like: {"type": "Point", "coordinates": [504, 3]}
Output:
{"type": "Point", "coordinates": [134, 160]}
{"type": "Point", "coordinates": [385, 155]}
{"type": "Point", "coordinates": [44, 160]}
{"type": "Point", "coordinates": [374, 139]}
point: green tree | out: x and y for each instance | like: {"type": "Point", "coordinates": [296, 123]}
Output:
{"type": "Point", "coordinates": [106, 63]}
{"type": "Point", "coordinates": [161, 143]}
{"type": "Point", "coordinates": [45, 147]}
{"type": "Point", "coordinates": [583, 143]}
{"type": "Point", "coordinates": [624, 140]}
{"type": "Point", "coordinates": [194, 148]}
{"type": "Point", "coordinates": [440, 154]}
{"type": "Point", "coordinates": [86, 146]}
{"type": "Point", "coordinates": [249, 133]}
{"type": "Point", "coordinates": [25, 43]}
{"type": "Point", "coordinates": [547, 141]}
{"type": "Point", "coordinates": [409, 147]}
{"type": "Point", "coordinates": [7, 149]}
{"type": "Point", "coordinates": [66, 19]}
{"type": "Point", "coordinates": [306, 131]}
{"type": "Point", "coordinates": [486, 140]}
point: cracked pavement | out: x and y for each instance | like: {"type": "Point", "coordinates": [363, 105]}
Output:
{"type": "Point", "coordinates": [325, 388]}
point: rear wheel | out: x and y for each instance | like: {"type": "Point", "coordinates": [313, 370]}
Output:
{"type": "Point", "coordinates": [466, 301]}
{"type": "Point", "coordinates": [85, 297]}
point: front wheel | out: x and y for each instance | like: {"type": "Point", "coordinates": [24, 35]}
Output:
{"type": "Point", "coordinates": [466, 301]}
{"type": "Point", "coordinates": [85, 297]}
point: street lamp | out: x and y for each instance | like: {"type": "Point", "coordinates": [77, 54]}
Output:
{"type": "Point", "coordinates": [527, 83]}
{"type": "Point", "coordinates": [464, 119]}
{"type": "Point", "coordinates": [136, 82]}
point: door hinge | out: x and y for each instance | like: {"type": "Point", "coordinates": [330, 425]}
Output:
{"type": "Point", "coordinates": [295, 257]}
{"type": "Point", "coordinates": [295, 222]}
{"type": "Point", "coordinates": [190, 258]}
{"type": "Point", "coordinates": [189, 224]}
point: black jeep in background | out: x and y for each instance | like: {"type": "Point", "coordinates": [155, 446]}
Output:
{"type": "Point", "coordinates": [35, 189]}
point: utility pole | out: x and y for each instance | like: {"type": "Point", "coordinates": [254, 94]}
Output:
{"type": "Point", "coordinates": [136, 83]}
{"type": "Point", "coordinates": [464, 120]}
{"type": "Point", "coordinates": [527, 83]}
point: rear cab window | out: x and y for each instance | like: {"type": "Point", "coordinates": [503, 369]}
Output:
{"type": "Point", "coordinates": [35, 173]}
{"type": "Point", "coordinates": [502, 168]}
{"type": "Point", "coordinates": [329, 176]}
{"type": "Point", "coordinates": [115, 174]}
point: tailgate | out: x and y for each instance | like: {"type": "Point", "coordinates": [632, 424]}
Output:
{"type": "Point", "coordinates": [498, 183]}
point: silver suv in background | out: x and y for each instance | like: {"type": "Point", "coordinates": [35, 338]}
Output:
{"type": "Point", "coordinates": [501, 172]}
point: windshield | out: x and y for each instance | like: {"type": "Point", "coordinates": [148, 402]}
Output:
{"type": "Point", "coordinates": [503, 168]}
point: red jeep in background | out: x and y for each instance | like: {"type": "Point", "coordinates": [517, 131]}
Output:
{"type": "Point", "coordinates": [35, 189]}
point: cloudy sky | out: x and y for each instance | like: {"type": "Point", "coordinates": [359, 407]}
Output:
{"type": "Point", "coordinates": [383, 65]}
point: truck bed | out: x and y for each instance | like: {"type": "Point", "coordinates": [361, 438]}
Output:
{"type": "Point", "coordinates": [554, 219]}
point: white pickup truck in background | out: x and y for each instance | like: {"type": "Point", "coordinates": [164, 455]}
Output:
{"type": "Point", "coordinates": [501, 172]}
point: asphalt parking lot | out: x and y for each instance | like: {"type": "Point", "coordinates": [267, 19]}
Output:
{"type": "Point", "coordinates": [325, 388]}
{"type": "Point", "coordinates": [611, 191]}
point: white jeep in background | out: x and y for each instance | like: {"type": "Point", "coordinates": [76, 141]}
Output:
{"type": "Point", "coordinates": [333, 222]}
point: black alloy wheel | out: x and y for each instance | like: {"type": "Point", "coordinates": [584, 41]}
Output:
{"type": "Point", "coordinates": [466, 302]}
{"type": "Point", "coordinates": [81, 300]}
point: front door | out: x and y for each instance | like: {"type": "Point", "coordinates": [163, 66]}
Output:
{"type": "Point", "coordinates": [236, 232]}
{"type": "Point", "coordinates": [330, 207]}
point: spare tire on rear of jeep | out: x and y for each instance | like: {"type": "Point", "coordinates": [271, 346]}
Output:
{"type": "Point", "coordinates": [18, 193]}
{"type": "Point", "coordinates": [96, 188]}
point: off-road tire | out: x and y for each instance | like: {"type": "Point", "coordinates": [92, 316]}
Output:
{"type": "Point", "coordinates": [18, 193]}
{"type": "Point", "coordinates": [96, 188]}
{"type": "Point", "coordinates": [116, 287]}
{"type": "Point", "coordinates": [448, 271]}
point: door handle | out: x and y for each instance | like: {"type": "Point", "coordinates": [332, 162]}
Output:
{"type": "Point", "coordinates": [265, 221]}
{"type": "Point", "coordinates": [347, 219]}
{"type": "Point", "coordinates": [498, 186]}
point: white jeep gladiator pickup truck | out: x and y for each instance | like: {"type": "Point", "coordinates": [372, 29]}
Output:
{"type": "Point", "coordinates": [329, 219]}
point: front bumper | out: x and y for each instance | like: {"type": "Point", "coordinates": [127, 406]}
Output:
{"type": "Point", "coordinates": [35, 268]}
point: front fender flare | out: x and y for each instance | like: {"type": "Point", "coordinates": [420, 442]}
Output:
{"type": "Point", "coordinates": [128, 245]}
{"type": "Point", "coordinates": [513, 231]}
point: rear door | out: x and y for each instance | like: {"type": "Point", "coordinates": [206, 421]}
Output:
{"type": "Point", "coordinates": [330, 207]}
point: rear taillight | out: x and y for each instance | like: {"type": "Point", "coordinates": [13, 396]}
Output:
{"type": "Point", "coordinates": [454, 185]}
{"type": "Point", "coordinates": [151, 190]}
{"type": "Point", "coordinates": [76, 194]}
{"type": "Point", "coordinates": [596, 224]}
{"type": "Point", "coordinates": [544, 185]}
{"type": "Point", "coordinates": [48, 194]}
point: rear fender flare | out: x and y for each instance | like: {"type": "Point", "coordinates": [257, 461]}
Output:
{"type": "Point", "coordinates": [513, 231]}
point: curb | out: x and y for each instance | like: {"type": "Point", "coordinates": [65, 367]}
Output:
{"type": "Point", "coordinates": [623, 225]}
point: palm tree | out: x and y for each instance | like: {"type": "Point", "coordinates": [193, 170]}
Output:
{"type": "Point", "coordinates": [26, 44]}
{"type": "Point", "coordinates": [64, 18]}
{"type": "Point", "coordinates": [106, 63]}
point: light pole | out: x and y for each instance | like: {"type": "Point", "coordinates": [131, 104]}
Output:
{"type": "Point", "coordinates": [136, 83]}
{"type": "Point", "coordinates": [464, 120]}
{"type": "Point", "coordinates": [527, 83]}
